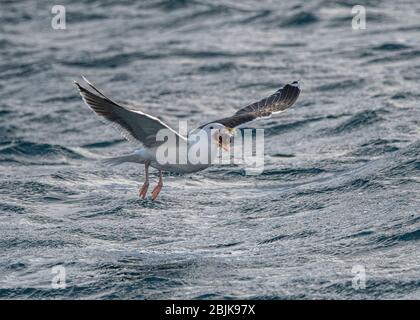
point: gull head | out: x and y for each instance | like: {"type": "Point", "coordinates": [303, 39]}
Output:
{"type": "Point", "coordinates": [219, 134]}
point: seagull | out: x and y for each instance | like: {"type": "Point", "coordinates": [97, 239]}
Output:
{"type": "Point", "coordinates": [143, 129]}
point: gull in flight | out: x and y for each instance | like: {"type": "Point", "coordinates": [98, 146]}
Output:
{"type": "Point", "coordinates": [143, 129]}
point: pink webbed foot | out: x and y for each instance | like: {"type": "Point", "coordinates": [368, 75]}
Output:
{"type": "Point", "coordinates": [143, 190]}
{"type": "Point", "coordinates": [156, 190]}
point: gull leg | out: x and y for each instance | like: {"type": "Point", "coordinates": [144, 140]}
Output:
{"type": "Point", "coordinates": [143, 189]}
{"type": "Point", "coordinates": [159, 186]}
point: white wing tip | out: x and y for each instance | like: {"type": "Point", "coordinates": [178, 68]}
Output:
{"type": "Point", "coordinates": [87, 81]}
{"type": "Point", "coordinates": [297, 83]}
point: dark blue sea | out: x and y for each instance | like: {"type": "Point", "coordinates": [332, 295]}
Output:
{"type": "Point", "coordinates": [334, 215]}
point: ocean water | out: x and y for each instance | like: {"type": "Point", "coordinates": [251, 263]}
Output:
{"type": "Point", "coordinates": [334, 215]}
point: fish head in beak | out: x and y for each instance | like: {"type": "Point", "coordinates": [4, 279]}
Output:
{"type": "Point", "coordinates": [223, 137]}
{"type": "Point", "coordinates": [220, 135]}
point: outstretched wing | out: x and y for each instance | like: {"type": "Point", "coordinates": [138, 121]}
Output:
{"type": "Point", "coordinates": [134, 125]}
{"type": "Point", "coordinates": [281, 100]}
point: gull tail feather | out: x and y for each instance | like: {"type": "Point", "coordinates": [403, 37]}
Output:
{"type": "Point", "coordinates": [115, 161]}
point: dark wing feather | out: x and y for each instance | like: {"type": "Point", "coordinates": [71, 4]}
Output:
{"type": "Point", "coordinates": [277, 102]}
{"type": "Point", "coordinates": [133, 125]}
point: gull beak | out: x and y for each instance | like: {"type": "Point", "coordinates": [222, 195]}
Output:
{"type": "Point", "coordinates": [224, 146]}
{"type": "Point", "coordinates": [232, 133]}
